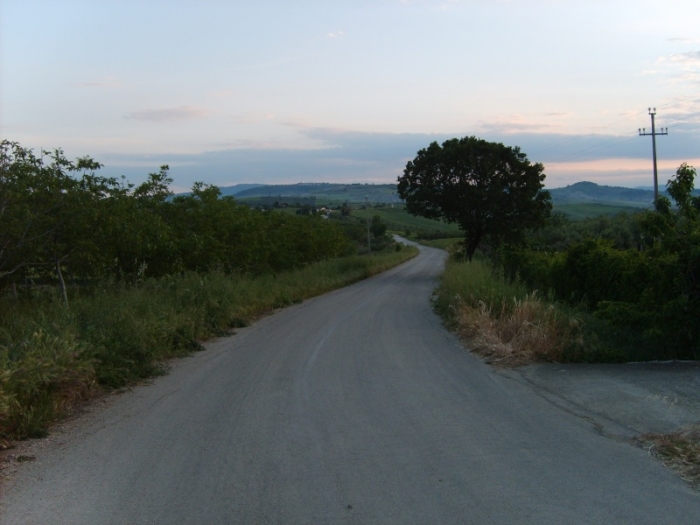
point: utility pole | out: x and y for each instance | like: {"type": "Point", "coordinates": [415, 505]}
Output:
{"type": "Point", "coordinates": [654, 133]}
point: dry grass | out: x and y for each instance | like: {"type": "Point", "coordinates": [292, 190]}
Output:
{"type": "Point", "coordinates": [525, 331]}
{"type": "Point", "coordinates": [679, 451]}
{"type": "Point", "coordinates": [507, 324]}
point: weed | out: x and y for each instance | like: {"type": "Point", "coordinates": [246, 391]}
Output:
{"type": "Point", "coordinates": [525, 331]}
{"type": "Point", "coordinates": [679, 451]}
{"type": "Point", "coordinates": [48, 376]}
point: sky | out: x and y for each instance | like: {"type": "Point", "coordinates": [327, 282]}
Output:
{"type": "Point", "coordinates": [272, 91]}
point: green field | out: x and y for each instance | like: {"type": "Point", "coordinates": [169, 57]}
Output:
{"type": "Point", "coordinates": [398, 219]}
{"type": "Point", "coordinates": [577, 212]}
{"type": "Point", "coordinates": [326, 193]}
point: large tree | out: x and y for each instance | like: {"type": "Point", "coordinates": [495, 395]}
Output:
{"type": "Point", "coordinates": [492, 191]}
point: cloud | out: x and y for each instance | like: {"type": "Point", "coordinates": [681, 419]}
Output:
{"type": "Point", "coordinates": [252, 144]}
{"type": "Point", "coordinates": [512, 127]}
{"type": "Point", "coordinates": [104, 82]}
{"type": "Point", "coordinates": [682, 68]}
{"type": "Point", "coordinates": [520, 123]}
{"type": "Point", "coordinates": [169, 114]}
{"type": "Point", "coordinates": [684, 40]}
{"type": "Point", "coordinates": [353, 156]}
{"type": "Point", "coordinates": [682, 113]}
{"type": "Point", "coordinates": [688, 78]}
{"type": "Point", "coordinates": [337, 34]}
{"type": "Point", "coordinates": [690, 58]}
{"type": "Point", "coordinates": [252, 118]}
{"type": "Point", "coordinates": [223, 94]}
{"type": "Point", "coordinates": [446, 5]}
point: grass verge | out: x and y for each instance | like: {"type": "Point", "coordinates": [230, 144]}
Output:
{"type": "Point", "coordinates": [53, 357]}
{"type": "Point", "coordinates": [510, 325]}
{"type": "Point", "coordinates": [679, 451]}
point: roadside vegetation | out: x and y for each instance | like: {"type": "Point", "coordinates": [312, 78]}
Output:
{"type": "Point", "coordinates": [679, 451]}
{"type": "Point", "coordinates": [581, 211]}
{"type": "Point", "coordinates": [510, 324]}
{"type": "Point", "coordinates": [52, 357]}
{"type": "Point", "coordinates": [101, 282]}
{"type": "Point", "coordinates": [625, 288]}
{"type": "Point", "coordinates": [398, 219]}
{"type": "Point", "coordinates": [606, 289]}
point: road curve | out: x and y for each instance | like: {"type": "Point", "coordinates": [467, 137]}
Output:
{"type": "Point", "coordinates": [354, 407]}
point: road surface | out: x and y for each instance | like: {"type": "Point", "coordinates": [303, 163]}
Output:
{"type": "Point", "coordinates": [355, 407]}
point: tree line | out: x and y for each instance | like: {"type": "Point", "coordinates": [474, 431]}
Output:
{"type": "Point", "coordinates": [639, 273]}
{"type": "Point", "coordinates": [62, 222]}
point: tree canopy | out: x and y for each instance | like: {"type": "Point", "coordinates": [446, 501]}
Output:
{"type": "Point", "coordinates": [60, 221]}
{"type": "Point", "coordinates": [490, 190]}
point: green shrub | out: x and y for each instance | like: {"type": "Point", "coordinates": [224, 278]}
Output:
{"type": "Point", "coordinates": [594, 271]}
{"type": "Point", "coordinates": [510, 323]}
{"type": "Point", "coordinates": [42, 377]}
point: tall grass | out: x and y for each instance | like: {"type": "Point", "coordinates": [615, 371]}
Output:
{"type": "Point", "coordinates": [52, 357]}
{"type": "Point", "coordinates": [511, 325]}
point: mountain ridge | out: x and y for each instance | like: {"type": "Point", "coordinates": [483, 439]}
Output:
{"type": "Point", "coordinates": [583, 192]}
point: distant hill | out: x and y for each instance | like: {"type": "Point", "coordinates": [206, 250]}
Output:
{"type": "Point", "coordinates": [238, 188]}
{"type": "Point", "coordinates": [580, 193]}
{"type": "Point", "coordinates": [326, 191]}
{"type": "Point", "coordinates": [590, 192]}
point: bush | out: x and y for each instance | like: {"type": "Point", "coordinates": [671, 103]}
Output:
{"type": "Point", "coordinates": [42, 377]}
{"type": "Point", "coordinates": [509, 324]}
{"type": "Point", "coordinates": [650, 292]}
{"type": "Point", "coordinates": [502, 320]}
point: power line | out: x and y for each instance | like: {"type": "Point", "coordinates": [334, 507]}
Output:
{"type": "Point", "coordinates": [600, 146]}
{"type": "Point", "coordinates": [689, 120]}
{"type": "Point", "coordinates": [598, 128]}
{"type": "Point", "coordinates": [612, 141]}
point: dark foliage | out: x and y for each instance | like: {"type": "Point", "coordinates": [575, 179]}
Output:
{"type": "Point", "coordinates": [63, 223]}
{"type": "Point", "coordinates": [640, 273]}
{"type": "Point", "coordinates": [491, 190]}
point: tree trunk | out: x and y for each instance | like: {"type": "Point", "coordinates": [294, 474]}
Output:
{"type": "Point", "coordinates": [61, 282]}
{"type": "Point", "coordinates": [471, 243]}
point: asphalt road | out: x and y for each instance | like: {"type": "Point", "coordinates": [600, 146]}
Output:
{"type": "Point", "coordinates": [355, 407]}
